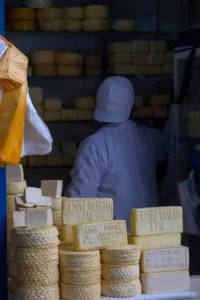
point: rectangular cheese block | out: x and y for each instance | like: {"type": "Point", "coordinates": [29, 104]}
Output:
{"type": "Point", "coordinates": [37, 161]}
{"type": "Point", "coordinates": [140, 58]}
{"type": "Point", "coordinates": [158, 46]}
{"type": "Point", "coordinates": [99, 235]}
{"type": "Point", "coordinates": [120, 69]}
{"type": "Point", "coordinates": [20, 201]}
{"type": "Point", "coordinates": [169, 57]}
{"type": "Point", "coordinates": [171, 239]}
{"type": "Point", "coordinates": [139, 69]}
{"type": "Point", "coordinates": [33, 218]}
{"type": "Point", "coordinates": [52, 115]}
{"type": "Point", "coordinates": [160, 100]}
{"type": "Point", "coordinates": [14, 173]}
{"type": "Point", "coordinates": [120, 58]}
{"type": "Point", "coordinates": [168, 69]}
{"type": "Point", "coordinates": [144, 112]}
{"type": "Point", "coordinates": [120, 47]}
{"type": "Point", "coordinates": [165, 282]}
{"type": "Point", "coordinates": [85, 115]}
{"type": "Point", "coordinates": [158, 220]}
{"type": "Point", "coordinates": [69, 115]}
{"type": "Point", "coordinates": [165, 259]}
{"type": "Point", "coordinates": [33, 195]}
{"type": "Point", "coordinates": [140, 46]}
{"type": "Point", "coordinates": [36, 94]}
{"type": "Point", "coordinates": [155, 69]}
{"type": "Point", "coordinates": [156, 58]}
{"type": "Point", "coordinates": [68, 147]}
{"type": "Point", "coordinates": [52, 188]}
{"type": "Point", "coordinates": [53, 104]}
{"type": "Point", "coordinates": [161, 111]}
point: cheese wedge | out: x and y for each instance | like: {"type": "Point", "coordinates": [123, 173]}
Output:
{"type": "Point", "coordinates": [170, 240]}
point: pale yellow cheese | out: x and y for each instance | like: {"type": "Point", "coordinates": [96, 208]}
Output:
{"type": "Point", "coordinates": [74, 13]}
{"type": "Point", "coordinates": [80, 277]}
{"type": "Point", "coordinates": [140, 46]}
{"type": "Point", "coordinates": [96, 12]}
{"type": "Point", "coordinates": [24, 25]}
{"type": "Point", "coordinates": [69, 115]}
{"type": "Point", "coordinates": [21, 13]}
{"type": "Point", "coordinates": [139, 69]}
{"type": "Point", "coordinates": [68, 58]}
{"type": "Point", "coordinates": [13, 188]}
{"type": "Point", "coordinates": [85, 115]}
{"type": "Point", "coordinates": [120, 273]}
{"type": "Point", "coordinates": [164, 259]}
{"type": "Point", "coordinates": [93, 60]}
{"type": "Point", "coordinates": [156, 58]}
{"type": "Point", "coordinates": [155, 69]}
{"type": "Point", "coordinates": [120, 69]}
{"type": "Point", "coordinates": [162, 99]}
{"type": "Point", "coordinates": [124, 26]}
{"type": "Point", "coordinates": [36, 94]}
{"type": "Point", "coordinates": [169, 57]}
{"type": "Point", "coordinates": [144, 112]}
{"type": "Point", "coordinates": [120, 58]}
{"type": "Point", "coordinates": [93, 71]}
{"type": "Point", "coordinates": [140, 58]}
{"type": "Point", "coordinates": [161, 111]}
{"type": "Point", "coordinates": [158, 220]}
{"type": "Point", "coordinates": [99, 235]}
{"type": "Point", "coordinates": [43, 57]}
{"type": "Point", "coordinates": [121, 289]}
{"type": "Point", "coordinates": [73, 25]}
{"type": "Point", "coordinates": [120, 47]}
{"type": "Point", "coordinates": [165, 282]}
{"type": "Point", "coordinates": [95, 25]}
{"type": "Point", "coordinates": [50, 13]}
{"type": "Point", "coordinates": [84, 103]}
{"type": "Point", "coordinates": [70, 70]}
{"type": "Point", "coordinates": [86, 291]}
{"type": "Point", "coordinates": [168, 69]}
{"type": "Point", "coordinates": [121, 255]}
{"type": "Point", "coordinates": [52, 115]}
{"type": "Point", "coordinates": [52, 104]}
{"type": "Point", "coordinates": [158, 46]}
{"type": "Point", "coordinates": [44, 70]}
{"type": "Point", "coordinates": [36, 161]}
{"type": "Point", "coordinates": [51, 25]}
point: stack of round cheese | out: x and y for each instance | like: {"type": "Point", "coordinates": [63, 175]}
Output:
{"type": "Point", "coordinates": [43, 62]}
{"type": "Point", "coordinates": [21, 18]}
{"type": "Point", "coordinates": [93, 65]}
{"type": "Point", "coordinates": [50, 19]}
{"type": "Point", "coordinates": [80, 274]}
{"type": "Point", "coordinates": [73, 18]}
{"type": "Point", "coordinates": [57, 214]}
{"type": "Point", "coordinates": [36, 255]}
{"type": "Point", "coordinates": [121, 271]}
{"type": "Point", "coordinates": [85, 108]}
{"type": "Point", "coordinates": [95, 18]}
{"type": "Point", "coordinates": [69, 64]}
{"type": "Point", "coordinates": [120, 58]}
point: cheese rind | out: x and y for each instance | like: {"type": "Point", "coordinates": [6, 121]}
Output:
{"type": "Point", "coordinates": [158, 220]}
{"type": "Point", "coordinates": [50, 292]}
{"type": "Point", "coordinates": [173, 239]}
{"type": "Point", "coordinates": [121, 289]}
{"type": "Point", "coordinates": [99, 235]}
{"type": "Point", "coordinates": [120, 273]}
{"type": "Point", "coordinates": [121, 255]}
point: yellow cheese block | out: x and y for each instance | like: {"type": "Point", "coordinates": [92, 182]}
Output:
{"type": "Point", "coordinates": [69, 115]}
{"type": "Point", "coordinates": [140, 46]}
{"type": "Point", "coordinates": [50, 13]}
{"type": "Point", "coordinates": [155, 69]}
{"type": "Point", "coordinates": [74, 13]}
{"type": "Point", "coordinates": [168, 69]}
{"type": "Point", "coordinates": [85, 115]}
{"type": "Point", "coordinates": [99, 235]}
{"type": "Point", "coordinates": [140, 58]}
{"type": "Point", "coordinates": [120, 273]}
{"type": "Point", "coordinates": [70, 70]}
{"type": "Point", "coordinates": [157, 58]}
{"type": "Point", "coordinates": [86, 291]}
{"type": "Point", "coordinates": [93, 61]}
{"type": "Point", "coordinates": [84, 103]}
{"type": "Point", "coordinates": [158, 46]}
{"type": "Point", "coordinates": [67, 234]}
{"type": "Point", "coordinates": [93, 71]}
{"type": "Point", "coordinates": [161, 111]}
{"type": "Point", "coordinates": [52, 115]}
{"type": "Point", "coordinates": [36, 161]}
{"type": "Point", "coordinates": [139, 69]}
{"type": "Point", "coordinates": [124, 26]}
{"type": "Point", "coordinates": [21, 13]}
{"type": "Point", "coordinates": [96, 12]}
{"type": "Point", "coordinates": [120, 69]}
{"type": "Point", "coordinates": [120, 47]}
{"type": "Point", "coordinates": [120, 58]}
{"type": "Point", "coordinates": [164, 259]}
{"type": "Point", "coordinates": [22, 25]}
{"type": "Point", "coordinates": [121, 255]}
{"type": "Point", "coordinates": [44, 70]}
{"type": "Point", "coordinates": [169, 57]}
{"type": "Point", "coordinates": [53, 104]}
{"type": "Point", "coordinates": [158, 220]}
{"type": "Point", "coordinates": [43, 57]}
{"type": "Point", "coordinates": [73, 25]}
{"type": "Point", "coordinates": [95, 25]}
{"type": "Point", "coordinates": [121, 289]}
{"type": "Point", "coordinates": [80, 277]}
{"type": "Point", "coordinates": [162, 99]}
{"type": "Point", "coordinates": [51, 25]}
{"type": "Point", "coordinates": [67, 58]}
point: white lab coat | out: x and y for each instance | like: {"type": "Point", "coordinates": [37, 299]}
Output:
{"type": "Point", "coordinates": [119, 162]}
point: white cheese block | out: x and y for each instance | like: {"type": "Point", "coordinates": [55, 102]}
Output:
{"type": "Point", "coordinates": [33, 195]}
{"type": "Point", "coordinates": [36, 94]}
{"type": "Point", "coordinates": [155, 69]}
{"type": "Point", "coordinates": [140, 46]}
{"type": "Point", "coordinates": [93, 61]}
{"type": "Point", "coordinates": [121, 255]}
{"type": "Point", "coordinates": [68, 58]}
{"type": "Point", "coordinates": [14, 173]}
{"type": "Point", "coordinates": [120, 69]}
{"type": "Point", "coordinates": [139, 69]}
{"type": "Point", "coordinates": [74, 13]}
{"type": "Point", "coordinates": [86, 291]}
{"type": "Point", "coordinates": [73, 25]}
{"type": "Point", "coordinates": [170, 240]}
{"type": "Point", "coordinates": [95, 25]}
{"type": "Point", "coordinates": [21, 13]}
{"type": "Point", "coordinates": [165, 282]}
{"type": "Point", "coordinates": [156, 58]}
{"type": "Point", "coordinates": [120, 273]}
{"type": "Point", "coordinates": [158, 46]}
{"type": "Point", "coordinates": [50, 13]}
{"type": "Point", "coordinates": [169, 57]}
{"type": "Point", "coordinates": [168, 69]}
{"type": "Point", "coordinates": [164, 259]}
{"type": "Point", "coordinates": [53, 104]}
{"type": "Point", "coordinates": [124, 26]}
{"type": "Point", "coordinates": [120, 58]}
{"type": "Point", "coordinates": [37, 161]}
{"type": "Point", "coordinates": [161, 111]}
{"type": "Point", "coordinates": [68, 147]}
{"type": "Point", "coordinates": [43, 57]}
{"type": "Point", "coordinates": [20, 201]}
{"type": "Point", "coordinates": [96, 12]}
{"type": "Point", "coordinates": [93, 71]}
{"type": "Point", "coordinates": [70, 70]}
{"type": "Point", "coordinates": [24, 25]}
{"type": "Point", "coordinates": [69, 115]}
{"type": "Point", "coordinates": [140, 58]}
{"type": "Point", "coordinates": [121, 289]}
{"type": "Point", "coordinates": [85, 115]}
{"type": "Point", "coordinates": [52, 115]}
{"type": "Point", "coordinates": [84, 103]}
{"type": "Point", "coordinates": [51, 25]}
{"type": "Point", "coordinates": [120, 47]}
{"type": "Point", "coordinates": [99, 235]}
{"type": "Point", "coordinates": [33, 218]}
{"type": "Point", "coordinates": [158, 220]}
{"type": "Point", "coordinates": [160, 99]}
{"type": "Point", "coordinates": [52, 188]}
{"type": "Point", "coordinates": [44, 70]}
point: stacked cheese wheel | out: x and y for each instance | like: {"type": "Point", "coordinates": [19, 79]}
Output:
{"type": "Point", "coordinates": [85, 107]}
{"type": "Point", "coordinates": [36, 255]}
{"type": "Point", "coordinates": [73, 18]}
{"type": "Point", "coordinates": [43, 62]}
{"type": "Point", "coordinates": [69, 64]}
{"type": "Point", "coordinates": [95, 18]}
{"type": "Point", "coordinates": [22, 19]}
{"type": "Point", "coordinates": [121, 271]}
{"type": "Point", "coordinates": [50, 19]}
{"type": "Point", "coordinates": [93, 65]}
{"type": "Point", "coordinates": [56, 213]}
{"type": "Point", "coordinates": [80, 274]}
{"type": "Point", "coordinates": [52, 109]}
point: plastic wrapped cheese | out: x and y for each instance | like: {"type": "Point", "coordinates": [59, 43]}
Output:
{"type": "Point", "coordinates": [68, 58]}
{"type": "Point", "coordinates": [43, 57]}
{"type": "Point", "coordinates": [95, 25]}
{"type": "Point", "coordinates": [51, 25]}
{"type": "Point", "coordinates": [21, 13]}
{"type": "Point", "coordinates": [74, 13]}
{"type": "Point", "coordinates": [96, 11]}
{"type": "Point", "coordinates": [24, 25]}
{"type": "Point", "coordinates": [51, 13]}
{"type": "Point", "coordinates": [73, 25]}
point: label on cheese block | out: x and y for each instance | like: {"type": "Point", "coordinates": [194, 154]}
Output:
{"type": "Point", "coordinates": [171, 239]}
{"type": "Point", "coordinates": [52, 188]}
{"type": "Point", "coordinates": [164, 259]}
{"type": "Point", "coordinates": [99, 235]}
{"type": "Point", "coordinates": [158, 220]}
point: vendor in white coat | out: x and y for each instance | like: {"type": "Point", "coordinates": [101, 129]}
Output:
{"type": "Point", "coordinates": [119, 161]}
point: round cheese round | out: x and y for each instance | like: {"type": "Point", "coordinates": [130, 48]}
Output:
{"type": "Point", "coordinates": [21, 13]}
{"type": "Point", "coordinates": [74, 13]}
{"type": "Point", "coordinates": [51, 25]}
{"type": "Point", "coordinates": [43, 57]}
{"type": "Point", "coordinates": [67, 58]}
{"type": "Point", "coordinates": [120, 273]}
{"type": "Point", "coordinates": [121, 255]}
{"type": "Point", "coordinates": [95, 25]}
{"type": "Point", "coordinates": [22, 25]}
{"type": "Point", "coordinates": [121, 289]}
{"type": "Point", "coordinates": [80, 277]}
{"type": "Point", "coordinates": [96, 12]}
{"type": "Point", "coordinates": [89, 292]}
{"type": "Point", "coordinates": [29, 256]}
{"type": "Point", "coordinates": [33, 292]}
{"type": "Point", "coordinates": [51, 13]}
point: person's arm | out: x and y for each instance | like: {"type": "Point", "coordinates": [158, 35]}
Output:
{"type": "Point", "coordinates": [88, 171]}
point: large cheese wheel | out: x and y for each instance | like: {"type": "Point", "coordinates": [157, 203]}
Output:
{"type": "Point", "coordinates": [44, 70]}
{"type": "Point", "coordinates": [96, 11]}
{"type": "Point", "coordinates": [120, 58]}
{"type": "Point", "coordinates": [51, 13]}
{"type": "Point", "coordinates": [67, 58]}
{"type": "Point", "coordinates": [89, 292]}
{"type": "Point", "coordinates": [70, 70]}
{"type": "Point", "coordinates": [120, 69]}
{"type": "Point", "coordinates": [121, 255]}
{"type": "Point", "coordinates": [74, 13]}
{"type": "Point", "coordinates": [21, 13]}
{"type": "Point", "coordinates": [120, 273]}
{"type": "Point", "coordinates": [120, 47]}
{"type": "Point", "coordinates": [32, 292]}
{"type": "Point", "coordinates": [22, 25]}
{"type": "Point", "coordinates": [80, 276]}
{"type": "Point", "coordinates": [43, 57]}
{"type": "Point", "coordinates": [95, 25]}
{"type": "Point", "coordinates": [93, 72]}
{"type": "Point", "coordinates": [124, 26]}
{"type": "Point", "coordinates": [84, 103]}
{"type": "Point", "coordinates": [73, 25]}
{"type": "Point", "coordinates": [51, 25]}
{"type": "Point", "coordinates": [37, 3]}
{"type": "Point", "coordinates": [121, 289]}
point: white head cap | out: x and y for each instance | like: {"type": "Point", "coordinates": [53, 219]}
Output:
{"type": "Point", "coordinates": [115, 98]}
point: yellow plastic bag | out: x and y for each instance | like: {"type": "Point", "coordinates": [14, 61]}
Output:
{"type": "Point", "coordinates": [13, 80]}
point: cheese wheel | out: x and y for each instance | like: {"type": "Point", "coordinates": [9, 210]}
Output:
{"type": "Point", "coordinates": [44, 70]}
{"type": "Point", "coordinates": [43, 57]}
{"type": "Point", "coordinates": [21, 13]}
{"type": "Point", "coordinates": [74, 13]}
{"type": "Point", "coordinates": [67, 58]}
{"type": "Point", "coordinates": [29, 257]}
{"type": "Point", "coordinates": [37, 3]}
{"type": "Point", "coordinates": [52, 115]}
{"type": "Point", "coordinates": [95, 25]}
{"type": "Point", "coordinates": [120, 47]}
{"type": "Point", "coordinates": [73, 25]}
{"type": "Point", "coordinates": [93, 71]}
{"type": "Point", "coordinates": [120, 58]}
{"type": "Point", "coordinates": [158, 46]}
{"type": "Point", "coordinates": [139, 69]}
{"type": "Point", "coordinates": [168, 69]}
{"type": "Point", "coordinates": [121, 255]}
{"type": "Point", "coordinates": [121, 289]}
{"type": "Point", "coordinates": [22, 25]}
{"type": "Point", "coordinates": [69, 114]}
{"type": "Point", "coordinates": [14, 188]}
{"type": "Point", "coordinates": [82, 292]}
{"type": "Point", "coordinates": [85, 115]}
{"type": "Point", "coordinates": [70, 70]}
{"type": "Point", "coordinates": [30, 292]}
{"type": "Point", "coordinates": [93, 61]}
{"type": "Point", "coordinates": [84, 103]}
{"type": "Point", "coordinates": [124, 26]}
{"type": "Point", "coordinates": [140, 58]}
{"type": "Point", "coordinates": [96, 11]}
{"type": "Point", "coordinates": [155, 69]}
{"type": "Point", "coordinates": [120, 69]}
{"type": "Point", "coordinates": [51, 25]}
{"type": "Point", "coordinates": [80, 277]}
{"type": "Point", "coordinates": [50, 13]}
{"type": "Point", "coordinates": [120, 273]}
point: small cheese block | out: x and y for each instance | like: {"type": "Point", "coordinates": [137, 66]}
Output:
{"type": "Point", "coordinates": [165, 282]}
{"type": "Point", "coordinates": [155, 69]}
{"type": "Point", "coordinates": [53, 104]}
{"type": "Point", "coordinates": [54, 160]}
{"type": "Point", "coordinates": [161, 111]}
{"type": "Point", "coordinates": [140, 46]}
{"type": "Point", "coordinates": [22, 25]}
{"type": "Point", "coordinates": [139, 101]}
{"type": "Point", "coordinates": [68, 58]}
{"type": "Point", "coordinates": [86, 291]}
{"type": "Point", "coordinates": [33, 218]}
{"type": "Point", "coordinates": [121, 255]}
{"type": "Point", "coordinates": [85, 115]}
{"type": "Point", "coordinates": [96, 12]}
{"type": "Point", "coordinates": [99, 235]}
{"type": "Point", "coordinates": [124, 26]}
{"type": "Point", "coordinates": [36, 94]}
{"type": "Point", "coordinates": [164, 259]}
{"type": "Point", "coordinates": [120, 47]}
{"type": "Point", "coordinates": [21, 13]}
{"type": "Point", "coordinates": [68, 160]}
{"type": "Point", "coordinates": [44, 70]}
{"type": "Point", "coordinates": [140, 58]}
{"type": "Point", "coordinates": [43, 57]}
{"type": "Point", "coordinates": [52, 115]}
{"type": "Point", "coordinates": [20, 201]}
{"type": "Point", "coordinates": [120, 69]}
{"type": "Point", "coordinates": [95, 25]}
{"type": "Point", "coordinates": [169, 57]}
{"type": "Point", "coordinates": [120, 58]}
{"type": "Point", "coordinates": [50, 13]}
{"type": "Point", "coordinates": [33, 195]}
{"type": "Point", "coordinates": [69, 115]}
{"type": "Point", "coordinates": [84, 103]}
{"type": "Point", "coordinates": [37, 161]}
{"type": "Point", "coordinates": [168, 69]}
{"type": "Point", "coordinates": [121, 289]}
{"type": "Point", "coordinates": [156, 58]}
{"type": "Point", "coordinates": [120, 273]}
{"type": "Point", "coordinates": [73, 25]}
{"type": "Point", "coordinates": [52, 25]}
{"type": "Point", "coordinates": [74, 13]}
{"type": "Point", "coordinates": [145, 112]}
{"type": "Point", "coordinates": [70, 70]}
{"type": "Point", "coordinates": [158, 220]}
{"type": "Point", "coordinates": [158, 46]}
{"type": "Point", "coordinates": [93, 71]}
{"type": "Point", "coordinates": [52, 188]}
{"type": "Point", "coordinates": [170, 239]}
{"type": "Point", "coordinates": [14, 173]}
{"type": "Point", "coordinates": [139, 69]}
{"type": "Point", "coordinates": [68, 147]}
{"type": "Point", "coordinates": [160, 100]}
{"type": "Point", "coordinates": [93, 60]}
{"type": "Point", "coordinates": [29, 71]}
